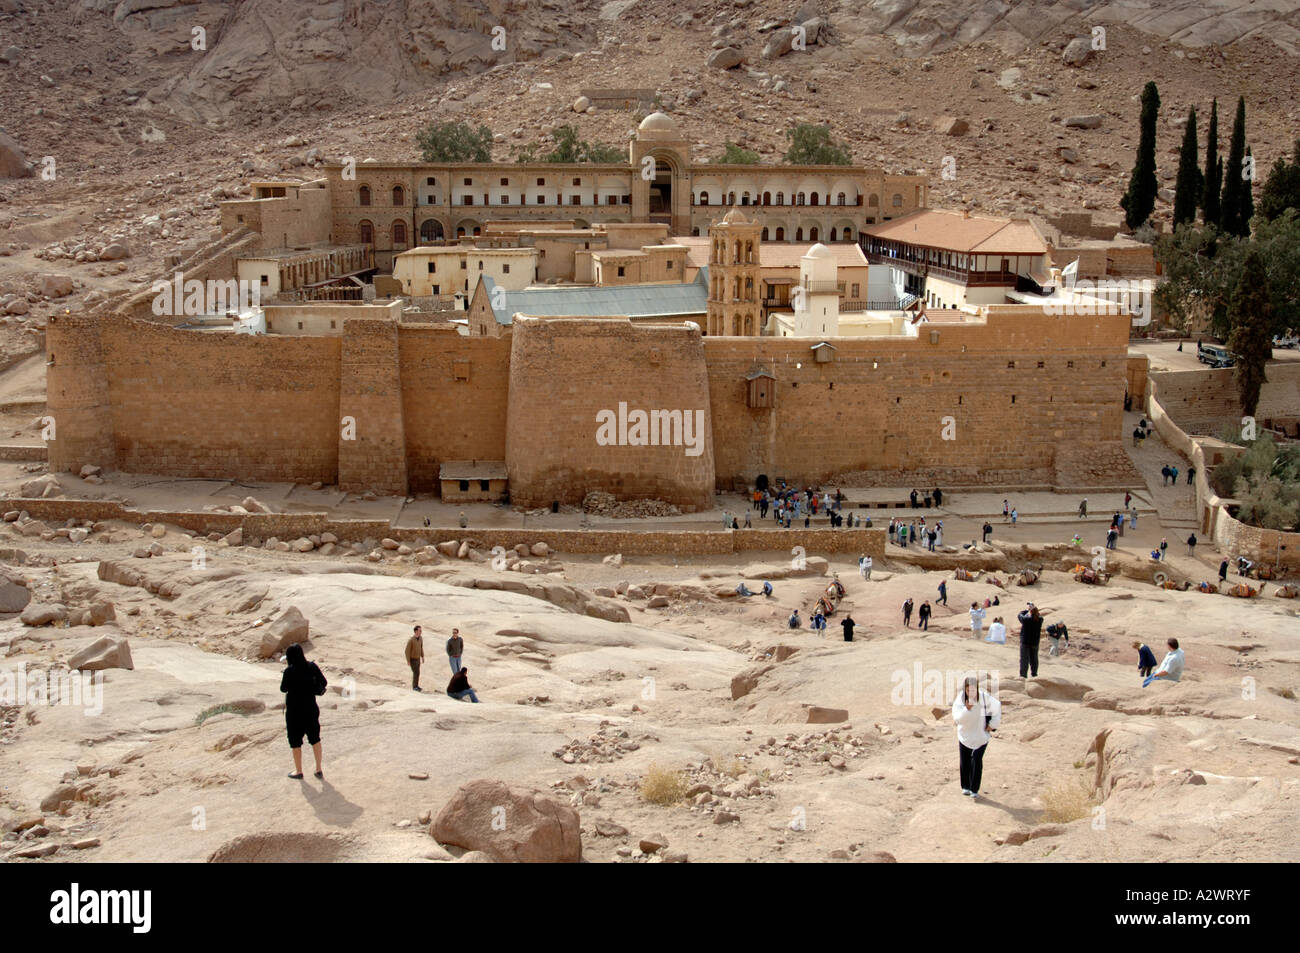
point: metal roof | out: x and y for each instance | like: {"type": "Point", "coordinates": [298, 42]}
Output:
{"type": "Point", "coordinates": [633, 301]}
{"type": "Point", "coordinates": [473, 470]}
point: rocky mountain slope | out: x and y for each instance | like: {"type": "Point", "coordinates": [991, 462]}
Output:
{"type": "Point", "coordinates": [143, 134]}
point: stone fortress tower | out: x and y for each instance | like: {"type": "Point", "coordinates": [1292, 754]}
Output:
{"type": "Point", "coordinates": [817, 299]}
{"type": "Point", "coordinates": [733, 307]}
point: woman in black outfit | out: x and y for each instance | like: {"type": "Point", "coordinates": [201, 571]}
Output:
{"type": "Point", "coordinates": [301, 683]}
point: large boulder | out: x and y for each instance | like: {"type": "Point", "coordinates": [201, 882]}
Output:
{"type": "Point", "coordinates": [1055, 688]}
{"type": "Point", "coordinates": [13, 164]}
{"type": "Point", "coordinates": [951, 126]}
{"type": "Point", "coordinates": [14, 595]}
{"type": "Point", "coordinates": [747, 681]}
{"type": "Point", "coordinates": [1077, 52]}
{"type": "Point", "coordinates": [1089, 121]}
{"type": "Point", "coordinates": [107, 652]}
{"type": "Point", "coordinates": [726, 58]}
{"type": "Point", "coordinates": [56, 286]}
{"type": "Point", "coordinates": [285, 631]}
{"type": "Point", "coordinates": [44, 614]}
{"type": "Point", "coordinates": [510, 824]}
{"type": "Point", "coordinates": [35, 489]}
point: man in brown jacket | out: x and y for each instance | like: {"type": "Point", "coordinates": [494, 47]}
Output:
{"type": "Point", "coordinates": [415, 655]}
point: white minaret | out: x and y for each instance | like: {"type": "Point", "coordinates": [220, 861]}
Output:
{"type": "Point", "coordinates": [817, 299]}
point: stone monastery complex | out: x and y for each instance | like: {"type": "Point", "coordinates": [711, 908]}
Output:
{"type": "Point", "coordinates": [419, 320]}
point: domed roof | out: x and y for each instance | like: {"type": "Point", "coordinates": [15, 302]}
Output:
{"type": "Point", "coordinates": [657, 126]}
{"type": "Point", "coordinates": [819, 251]}
{"type": "Point", "coordinates": [734, 217]}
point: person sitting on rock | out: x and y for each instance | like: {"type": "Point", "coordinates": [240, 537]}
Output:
{"type": "Point", "coordinates": [767, 589]}
{"type": "Point", "coordinates": [743, 590]}
{"type": "Point", "coordinates": [997, 631]}
{"type": "Point", "coordinates": [459, 687]}
{"type": "Point", "coordinates": [1171, 666]}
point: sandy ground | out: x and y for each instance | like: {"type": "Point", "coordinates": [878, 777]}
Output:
{"type": "Point", "coordinates": [1203, 769]}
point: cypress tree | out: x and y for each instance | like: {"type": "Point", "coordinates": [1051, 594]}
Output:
{"type": "Point", "coordinates": [1235, 203]}
{"type": "Point", "coordinates": [1211, 207]}
{"type": "Point", "coordinates": [1140, 199]}
{"type": "Point", "coordinates": [1187, 195]}
{"type": "Point", "coordinates": [1251, 338]}
{"type": "Point", "coordinates": [1281, 189]}
{"type": "Point", "coordinates": [1248, 194]}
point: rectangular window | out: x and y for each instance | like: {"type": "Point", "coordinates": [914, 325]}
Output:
{"type": "Point", "coordinates": [855, 292]}
{"type": "Point", "coordinates": [430, 181]}
{"type": "Point", "coordinates": [469, 181]}
{"type": "Point", "coordinates": [505, 181]}
{"type": "Point", "coordinates": [611, 200]}
{"type": "Point", "coordinates": [505, 269]}
{"type": "Point", "coordinates": [627, 200]}
{"type": "Point", "coordinates": [620, 271]}
{"type": "Point", "coordinates": [467, 200]}
{"type": "Point", "coordinates": [435, 290]}
{"type": "Point", "coordinates": [464, 486]}
{"type": "Point", "coordinates": [331, 324]}
{"type": "Point", "coordinates": [1069, 363]}
{"type": "Point", "coordinates": [1011, 364]}
{"type": "Point", "coordinates": [480, 264]}
{"type": "Point", "coordinates": [670, 266]}
{"type": "Point", "coordinates": [574, 199]}
{"type": "Point", "coordinates": [541, 181]}
{"type": "Point", "coordinates": [463, 265]}
{"type": "Point", "coordinates": [505, 200]}
{"type": "Point", "coordinates": [1040, 363]}
{"type": "Point", "coordinates": [299, 325]}
{"type": "Point", "coordinates": [577, 181]}
{"type": "Point", "coordinates": [541, 200]}
{"type": "Point", "coordinates": [483, 485]}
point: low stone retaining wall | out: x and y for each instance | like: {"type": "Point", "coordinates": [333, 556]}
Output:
{"type": "Point", "coordinates": [289, 526]}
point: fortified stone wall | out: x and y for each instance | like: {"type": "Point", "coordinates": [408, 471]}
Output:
{"type": "Point", "coordinates": [143, 397]}
{"type": "Point", "coordinates": [455, 399]}
{"type": "Point", "coordinates": [1206, 401]}
{"type": "Point", "coordinates": [1013, 394]}
{"type": "Point", "coordinates": [565, 372]}
{"type": "Point", "coordinates": [1023, 398]}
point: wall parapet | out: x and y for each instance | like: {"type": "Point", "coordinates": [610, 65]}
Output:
{"type": "Point", "coordinates": [288, 526]}
{"type": "Point", "coordinates": [1230, 534]}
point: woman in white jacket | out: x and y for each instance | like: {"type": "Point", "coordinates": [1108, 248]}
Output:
{"type": "Point", "coordinates": [977, 619]}
{"type": "Point", "coordinates": [977, 714]}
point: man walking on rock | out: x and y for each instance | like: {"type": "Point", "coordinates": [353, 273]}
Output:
{"type": "Point", "coordinates": [414, 656]}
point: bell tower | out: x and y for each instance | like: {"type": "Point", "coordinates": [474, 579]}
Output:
{"type": "Point", "coordinates": [734, 308]}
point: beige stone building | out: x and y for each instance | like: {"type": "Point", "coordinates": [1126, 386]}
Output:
{"type": "Point", "coordinates": [453, 272]}
{"type": "Point", "coordinates": [394, 206]}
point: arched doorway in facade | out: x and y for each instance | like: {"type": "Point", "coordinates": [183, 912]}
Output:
{"type": "Point", "coordinates": [661, 189]}
{"type": "Point", "coordinates": [430, 231]}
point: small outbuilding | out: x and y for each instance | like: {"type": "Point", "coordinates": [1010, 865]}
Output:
{"type": "Point", "coordinates": [473, 481]}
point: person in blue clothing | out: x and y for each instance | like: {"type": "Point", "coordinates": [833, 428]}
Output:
{"type": "Point", "coordinates": [1146, 659]}
{"type": "Point", "coordinates": [943, 593]}
{"type": "Point", "coordinates": [767, 589]}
